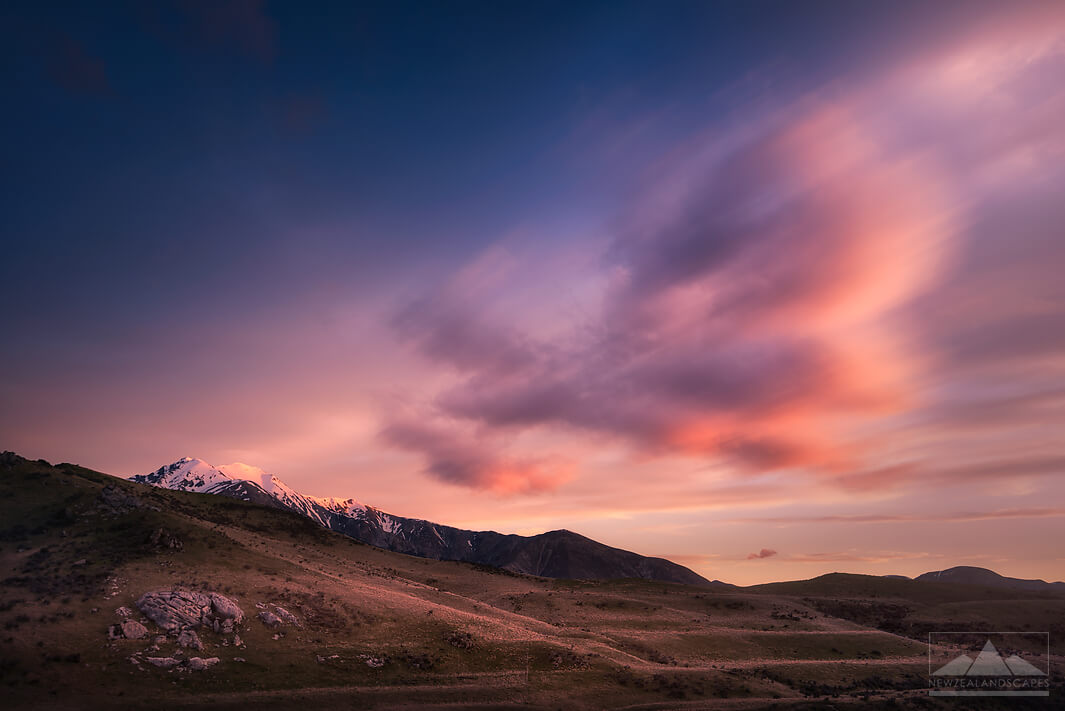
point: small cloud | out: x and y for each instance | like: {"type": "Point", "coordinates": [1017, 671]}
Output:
{"type": "Point", "coordinates": [764, 553]}
{"type": "Point", "coordinates": [457, 457]}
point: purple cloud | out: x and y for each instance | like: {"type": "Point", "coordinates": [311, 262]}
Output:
{"type": "Point", "coordinates": [764, 553]}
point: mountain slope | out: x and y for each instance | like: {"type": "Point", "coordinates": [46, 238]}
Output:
{"type": "Point", "coordinates": [982, 576]}
{"type": "Point", "coordinates": [369, 628]}
{"type": "Point", "coordinates": [556, 554]}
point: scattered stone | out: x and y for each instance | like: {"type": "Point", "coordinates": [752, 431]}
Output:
{"type": "Point", "coordinates": [375, 663]}
{"type": "Point", "coordinates": [123, 611]}
{"type": "Point", "coordinates": [114, 632]}
{"type": "Point", "coordinates": [239, 659]}
{"type": "Point", "coordinates": [162, 538]}
{"type": "Point", "coordinates": [160, 640]}
{"type": "Point", "coordinates": [460, 640]}
{"type": "Point", "coordinates": [277, 636]}
{"type": "Point", "coordinates": [131, 629]}
{"type": "Point", "coordinates": [286, 616]}
{"type": "Point", "coordinates": [270, 619]}
{"type": "Point", "coordinates": [198, 664]}
{"type": "Point", "coordinates": [227, 626]}
{"type": "Point", "coordinates": [237, 641]}
{"type": "Point", "coordinates": [80, 562]}
{"type": "Point", "coordinates": [163, 662]}
{"type": "Point", "coordinates": [188, 638]}
{"type": "Point", "coordinates": [94, 610]}
{"type": "Point", "coordinates": [114, 501]}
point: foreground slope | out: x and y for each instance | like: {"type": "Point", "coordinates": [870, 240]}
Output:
{"type": "Point", "coordinates": [330, 622]}
{"type": "Point", "coordinates": [556, 554]}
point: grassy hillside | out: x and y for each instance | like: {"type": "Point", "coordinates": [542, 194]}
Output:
{"type": "Point", "coordinates": [378, 629]}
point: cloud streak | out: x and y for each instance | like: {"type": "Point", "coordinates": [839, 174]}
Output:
{"type": "Point", "coordinates": [757, 298]}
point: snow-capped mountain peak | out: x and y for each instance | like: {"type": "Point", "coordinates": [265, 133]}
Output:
{"type": "Point", "coordinates": [246, 482]}
{"type": "Point", "coordinates": [186, 474]}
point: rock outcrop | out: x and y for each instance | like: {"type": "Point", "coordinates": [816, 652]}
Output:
{"type": "Point", "coordinates": [174, 610]}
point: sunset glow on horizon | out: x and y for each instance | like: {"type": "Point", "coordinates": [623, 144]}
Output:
{"type": "Point", "coordinates": [767, 290]}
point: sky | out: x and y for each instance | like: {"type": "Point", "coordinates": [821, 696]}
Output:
{"type": "Point", "coordinates": [771, 289]}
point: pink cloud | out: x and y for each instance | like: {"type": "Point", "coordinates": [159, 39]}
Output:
{"type": "Point", "coordinates": [456, 457]}
{"type": "Point", "coordinates": [764, 553]}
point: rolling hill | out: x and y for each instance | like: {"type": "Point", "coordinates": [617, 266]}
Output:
{"type": "Point", "coordinates": [120, 595]}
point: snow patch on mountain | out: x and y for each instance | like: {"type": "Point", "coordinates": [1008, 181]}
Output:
{"type": "Point", "coordinates": [190, 474]}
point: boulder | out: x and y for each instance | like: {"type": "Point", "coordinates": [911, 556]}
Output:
{"type": "Point", "coordinates": [177, 609]}
{"type": "Point", "coordinates": [226, 609]}
{"type": "Point", "coordinates": [174, 609]}
{"type": "Point", "coordinates": [197, 664]}
{"type": "Point", "coordinates": [188, 638]}
{"type": "Point", "coordinates": [270, 619]}
{"type": "Point", "coordinates": [131, 629]}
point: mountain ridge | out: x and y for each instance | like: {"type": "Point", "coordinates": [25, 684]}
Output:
{"type": "Point", "coordinates": [971, 575]}
{"type": "Point", "coordinates": [553, 554]}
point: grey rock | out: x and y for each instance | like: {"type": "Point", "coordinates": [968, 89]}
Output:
{"type": "Point", "coordinates": [198, 664]}
{"type": "Point", "coordinates": [131, 629]}
{"type": "Point", "coordinates": [188, 638]}
{"type": "Point", "coordinates": [163, 662]}
{"type": "Point", "coordinates": [286, 616]}
{"type": "Point", "coordinates": [122, 611]}
{"type": "Point", "coordinates": [226, 609]}
{"type": "Point", "coordinates": [270, 619]}
{"type": "Point", "coordinates": [237, 641]}
{"type": "Point", "coordinates": [114, 632]}
{"type": "Point", "coordinates": [174, 609]}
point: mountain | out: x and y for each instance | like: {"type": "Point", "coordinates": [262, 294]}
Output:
{"type": "Point", "coordinates": [555, 554]}
{"type": "Point", "coordinates": [982, 576]}
{"type": "Point", "coordinates": [328, 621]}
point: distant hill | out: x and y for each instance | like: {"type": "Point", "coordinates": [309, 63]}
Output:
{"type": "Point", "coordinates": [555, 554]}
{"type": "Point", "coordinates": [970, 575]}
